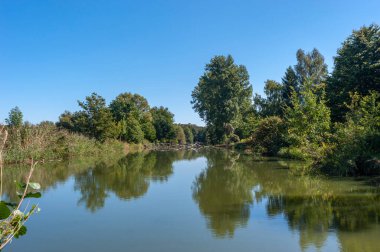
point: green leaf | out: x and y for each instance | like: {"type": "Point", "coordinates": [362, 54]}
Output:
{"type": "Point", "coordinates": [35, 186]}
{"type": "Point", "coordinates": [4, 211]}
{"type": "Point", "coordinates": [20, 186]}
{"type": "Point", "coordinates": [33, 195]}
{"type": "Point", "coordinates": [21, 232]}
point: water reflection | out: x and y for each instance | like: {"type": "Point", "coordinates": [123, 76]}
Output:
{"type": "Point", "coordinates": [128, 178]}
{"type": "Point", "coordinates": [313, 206]}
{"type": "Point", "coordinates": [227, 191]}
{"type": "Point", "coordinates": [223, 192]}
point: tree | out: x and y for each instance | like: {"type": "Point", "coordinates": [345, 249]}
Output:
{"type": "Point", "coordinates": [356, 142]}
{"type": "Point", "coordinates": [15, 118]}
{"type": "Point", "coordinates": [65, 121]}
{"type": "Point", "coordinates": [290, 84]}
{"type": "Point", "coordinates": [356, 69]}
{"type": "Point", "coordinates": [96, 118]}
{"type": "Point", "coordinates": [147, 126]}
{"type": "Point", "coordinates": [127, 104]}
{"type": "Point", "coordinates": [180, 135]}
{"type": "Point", "coordinates": [222, 95]}
{"type": "Point", "coordinates": [272, 105]}
{"type": "Point", "coordinates": [133, 131]}
{"type": "Point", "coordinates": [268, 138]}
{"type": "Point", "coordinates": [163, 121]}
{"type": "Point", "coordinates": [188, 134]}
{"type": "Point", "coordinates": [308, 121]}
{"type": "Point", "coordinates": [310, 67]}
{"type": "Point", "coordinates": [149, 131]}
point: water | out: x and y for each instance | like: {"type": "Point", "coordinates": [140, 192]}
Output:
{"type": "Point", "coordinates": [196, 201]}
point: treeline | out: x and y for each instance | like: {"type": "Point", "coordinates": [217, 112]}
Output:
{"type": "Point", "coordinates": [332, 119]}
{"type": "Point", "coordinates": [95, 130]}
{"type": "Point", "coordinates": [128, 118]}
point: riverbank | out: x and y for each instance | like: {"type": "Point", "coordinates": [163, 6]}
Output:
{"type": "Point", "coordinates": [46, 142]}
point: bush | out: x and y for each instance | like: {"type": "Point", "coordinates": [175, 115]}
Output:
{"type": "Point", "coordinates": [356, 143]}
{"type": "Point", "coordinates": [308, 122]}
{"type": "Point", "coordinates": [269, 136]}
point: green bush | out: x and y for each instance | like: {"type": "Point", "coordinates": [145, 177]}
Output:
{"type": "Point", "coordinates": [356, 143]}
{"type": "Point", "coordinates": [269, 136]}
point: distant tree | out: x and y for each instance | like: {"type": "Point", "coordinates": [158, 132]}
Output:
{"type": "Point", "coordinates": [65, 120]}
{"type": "Point", "coordinates": [273, 104]}
{"type": "Point", "coordinates": [356, 69]}
{"type": "Point", "coordinates": [97, 118]}
{"type": "Point", "coordinates": [149, 131]}
{"type": "Point", "coordinates": [222, 95]}
{"type": "Point", "coordinates": [289, 83]}
{"type": "Point", "coordinates": [310, 67]}
{"type": "Point", "coordinates": [188, 134]}
{"type": "Point", "coordinates": [194, 133]}
{"type": "Point", "coordinates": [180, 134]}
{"type": "Point", "coordinates": [133, 131]}
{"type": "Point", "coordinates": [147, 127]}
{"type": "Point", "coordinates": [163, 121]}
{"type": "Point", "coordinates": [127, 104]}
{"type": "Point", "coordinates": [15, 118]}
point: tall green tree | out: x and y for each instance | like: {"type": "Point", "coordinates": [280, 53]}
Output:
{"type": "Point", "coordinates": [356, 142]}
{"type": "Point", "coordinates": [98, 118]}
{"type": "Point", "coordinates": [15, 118]}
{"type": "Point", "coordinates": [180, 134]}
{"type": "Point", "coordinates": [133, 132]}
{"type": "Point", "coordinates": [273, 104]}
{"type": "Point", "coordinates": [222, 95]}
{"type": "Point", "coordinates": [128, 106]}
{"type": "Point", "coordinates": [163, 121]}
{"type": "Point", "coordinates": [356, 69]}
{"type": "Point", "coordinates": [310, 67]}
{"type": "Point", "coordinates": [65, 120]}
{"type": "Point", "coordinates": [188, 134]}
{"type": "Point", "coordinates": [308, 121]}
{"type": "Point", "coordinates": [290, 84]}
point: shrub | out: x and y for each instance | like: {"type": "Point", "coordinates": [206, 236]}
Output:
{"type": "Point", "coordinates": [269, 136]}
{"type": "Point", "coordinates": [356, 143]}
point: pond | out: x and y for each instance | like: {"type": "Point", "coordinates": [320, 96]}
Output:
{"type": "Point", "coordinates": [209, 200]}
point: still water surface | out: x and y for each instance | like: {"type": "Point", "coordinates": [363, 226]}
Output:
{"type": "Point", "coordinates": [196, 201]}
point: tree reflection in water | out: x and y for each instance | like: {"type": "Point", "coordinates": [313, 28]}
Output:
{"type": "Point", "coordinates": [129, 178]}
{"type": "Point", "coordinates": [226, 192]}
{"type": "Point", "coordinates": [223, 192]}
{"type": "Point", "coordinates": [312, 205]}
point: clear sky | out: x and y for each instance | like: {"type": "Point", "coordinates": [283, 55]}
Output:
{"type": "Point", "coordinates": [55, 52]}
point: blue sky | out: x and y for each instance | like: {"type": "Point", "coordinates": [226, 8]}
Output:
{"type": "Point", "coordinates": [55, 52]}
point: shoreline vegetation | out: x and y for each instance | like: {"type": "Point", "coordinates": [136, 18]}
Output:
{"type": "Point", "coordinates": [331, 120]}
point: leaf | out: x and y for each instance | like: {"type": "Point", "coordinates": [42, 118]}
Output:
{"type": "Point", "coordinates": [35, 186]}
{"type": "Point", "coordinates": [33, 195]}
{"type": "Point", "coordinates": [20, 186]}
{"type": "Point", "coordinates": [21, 232]}
{"type": "Point", "coordinates": [4, 211]}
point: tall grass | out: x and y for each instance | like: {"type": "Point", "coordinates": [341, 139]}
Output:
{"type": "Point", "coordinates": [46, 142]}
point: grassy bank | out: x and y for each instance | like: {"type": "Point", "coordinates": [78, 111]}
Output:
{"type": "Point", "coordinates": [46, 142]}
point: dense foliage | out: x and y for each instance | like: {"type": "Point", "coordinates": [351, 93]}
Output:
{"type": "Point", "coordinates": [222, 97]}
{"type": "Point", "coordinates": [128, 118]}
{"type": "Point", "coordinates": [332, 120]}
{"type": "Point", "coordinates": [356, 69]}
